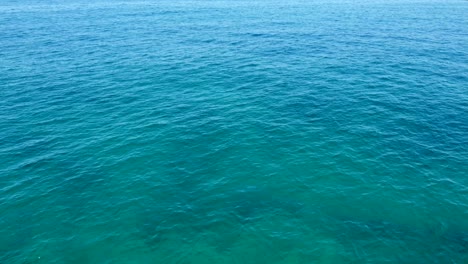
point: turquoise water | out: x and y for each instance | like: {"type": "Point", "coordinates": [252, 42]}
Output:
{"type": "Point", "coordinates": [233, 131]}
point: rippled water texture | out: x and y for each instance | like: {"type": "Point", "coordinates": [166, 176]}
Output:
{"type": "Point", "coordinates": [233, 131]}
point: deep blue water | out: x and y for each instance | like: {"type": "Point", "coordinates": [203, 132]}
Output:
{"type": "Point", "coordinates": [233, 131]}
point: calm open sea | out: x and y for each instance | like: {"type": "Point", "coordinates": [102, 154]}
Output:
{"type": "Point", "coordinates": [213, 131]}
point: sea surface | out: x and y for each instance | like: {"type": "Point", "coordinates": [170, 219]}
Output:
{"type": "Point", "coordinates": [213, 131]}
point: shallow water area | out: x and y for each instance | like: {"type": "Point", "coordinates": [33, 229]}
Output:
{"type": "Point", "coordinates": [233, 131]}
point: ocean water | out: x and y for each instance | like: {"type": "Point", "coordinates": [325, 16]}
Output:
{"type": "Point", "coordinates": [215, 131]}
